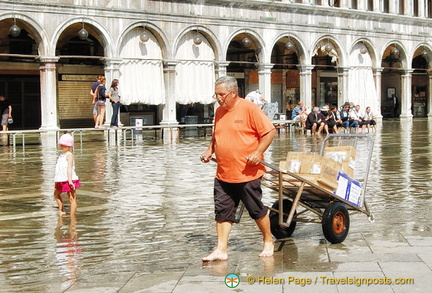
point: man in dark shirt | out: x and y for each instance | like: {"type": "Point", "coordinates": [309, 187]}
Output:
{"type": "Point", "coordinates": [316, 120]}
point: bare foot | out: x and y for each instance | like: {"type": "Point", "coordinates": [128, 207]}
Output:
{"type": "Point", "coordinates": [62, 213]}
{"type": "Point", "coordinates": [215, 255]}
{"type": "Point", "coordinates": [268, 250]}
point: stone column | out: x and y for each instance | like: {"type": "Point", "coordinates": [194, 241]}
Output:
{"type": "Point", "coordinates": [421, 8]}
{"type": "Point", "coordinates": [344, 4]}
{"type": "Point", "coordinates": [409, 8]}
{"type": "Point", "coordinates": [169, 112]}
{"type": "Point", "coordinates": [393, 6]}
{"type": "Point", "coordinates": [377, 6]}
{"type": "Point", "coordinates": [264, 73]}
{"type": "Point", "coordinates": [112, 71]}
{"type": "Point", "coordinates": [362, 5]}
{"type": "Point", "coordinates": [325, 3]}
{"type": "Point", "coordinates": [221, 69]}
{"type": "Point", "coordinates": [405, 100]}
{"type": "Point", "coordinates": [284, 97]}
{"type": "Point", "coordinates": [342, 84]}
{"type": "Point", "coordinates": [378, 85]}
{"type": "Point", "coordinates": [48, 82]}
{"type": "Point", "coordinates": [306, 85]}
{"type": "Point", "coordinates": [429, 98]}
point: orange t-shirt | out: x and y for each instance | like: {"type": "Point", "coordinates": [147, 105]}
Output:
{"type": "Point", "coordinates": [236, 135]}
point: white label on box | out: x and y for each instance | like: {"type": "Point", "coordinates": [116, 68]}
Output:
{"type": "Point", "coordinates": [354, 193]}
{"type": "Point", "coordinates": [337, 156]}
{"type": "Point", "coordinates": [295, 166]}
{"type": "Point", "coordinates": [343, 184]}
{"type": "Point", "coordinates": [316, 169]}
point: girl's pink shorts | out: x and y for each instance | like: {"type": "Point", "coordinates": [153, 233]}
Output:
{"type": "Point", "coordinates": [64, 186]}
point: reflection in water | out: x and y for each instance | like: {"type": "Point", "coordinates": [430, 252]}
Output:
{"type": "Point", "coordinates": [149, 207]}
{"type": "Point", "coordinates": [67, 249]}
{"type": "Point", "coordinates": [218, 268]}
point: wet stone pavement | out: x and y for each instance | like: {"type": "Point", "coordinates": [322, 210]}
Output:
{"type": "Point", "coordinates": [145, 219]}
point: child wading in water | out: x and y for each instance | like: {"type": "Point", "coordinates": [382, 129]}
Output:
{"type": "Point", "coordinates": [66, 180]}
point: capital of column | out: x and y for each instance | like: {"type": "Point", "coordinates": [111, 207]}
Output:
{"type": "Point", "coordinates": [222, 64]}
{"type": "Point", "coordinates": [378, 70]}
{"type": "Point", "coordinates": [112, 63]}
{"type": "Point", "coordinates": [265, 68]}
{"type": "Point", "coordinates": [48, 63]}
{"type": "Point", "coordinates": [170, 65]}
{"type": "Point", "coordinates": [305, 69]}
{"type": "Point", "coordinates": [407, 72]}
{"type": "Point", "coordinates": [343, 69]}
{"type": "Point", "coordinates": [48, 59]}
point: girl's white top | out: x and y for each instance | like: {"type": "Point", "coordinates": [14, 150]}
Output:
{"type": "Point", "coordinates": [61, 169]}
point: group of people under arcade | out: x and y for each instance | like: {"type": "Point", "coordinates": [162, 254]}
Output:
{"type": "Point", "coordinates": [99, 94]}
{"type": "Point", "coordinates": [333, 119]}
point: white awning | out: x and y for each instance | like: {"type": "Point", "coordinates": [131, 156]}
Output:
{"type": "Point", "coordinates": [141, 70]}
{"type": "Point", "coordinates": [195, 73]}
{"type": "Point", "coordinates": [361, 83]}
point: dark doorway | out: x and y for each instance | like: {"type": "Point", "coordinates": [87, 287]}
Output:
{"type": "Point", "coordinates": [23, 91]}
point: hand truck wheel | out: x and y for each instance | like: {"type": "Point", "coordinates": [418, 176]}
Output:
{"type": "Point", "coordinates": [278, 231]}
{"type": "Point", "coordinates": [335, 222]}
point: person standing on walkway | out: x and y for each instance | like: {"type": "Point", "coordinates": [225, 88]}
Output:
{"type": "Point", "coordinates": [242, 133]}
{"type": "Point", "coordinates": [94, 97]}
{"type": "Point", "coordinates": [6, 113]}
{"type": "Point", "coordinates": [66, 180]}
{"type": "Point", "coordinates": [101, 94]}
{"type": "Point", "coordinates": [114, 97]}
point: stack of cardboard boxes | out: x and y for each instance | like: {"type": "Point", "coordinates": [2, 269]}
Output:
{"type": "Point", "coordinates": [333, 171]}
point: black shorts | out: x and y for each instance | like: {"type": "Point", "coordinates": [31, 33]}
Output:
{"type": "Point", "coordinates": [228, 195]}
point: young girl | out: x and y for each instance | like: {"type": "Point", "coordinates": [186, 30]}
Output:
{"type": "Point", "coordinates": [66, 180]}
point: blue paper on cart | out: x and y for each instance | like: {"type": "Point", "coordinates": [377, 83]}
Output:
{"type": "Point", "coordinates": [348, 189]}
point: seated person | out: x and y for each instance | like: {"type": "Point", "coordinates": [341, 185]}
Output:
{"type": "Point", "coordinates": [355, 118]}
{"type": "Point", "coordinates": [368, 119]}
{"type": "Point", "coordinates": [345, 114]}
{"type": "Point", "coordinates": [333, 119]}
{"type": "Point", "coordinates": [316, 121]}
{"type": "Point", "coordinates": [298, 115]}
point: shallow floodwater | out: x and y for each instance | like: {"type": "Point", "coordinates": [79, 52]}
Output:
{"type": "Point", "coordinates": [147, 206]}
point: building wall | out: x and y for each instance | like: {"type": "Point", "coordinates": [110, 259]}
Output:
{"type": "Point", "coordinates": [267, 23]}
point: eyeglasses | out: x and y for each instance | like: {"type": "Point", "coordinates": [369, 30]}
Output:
{"type": "Point", "coordinates": [221, 99]}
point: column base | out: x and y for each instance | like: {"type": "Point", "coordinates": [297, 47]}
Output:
{"type": "Point", "coordinates": [171, 134]}
{"type": "Point", "coordinates": [49, 128]}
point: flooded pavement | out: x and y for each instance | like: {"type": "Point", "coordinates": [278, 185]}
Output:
{"type": "Point", "coordinates": [145, 219]}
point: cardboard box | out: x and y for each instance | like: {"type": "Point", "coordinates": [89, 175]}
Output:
{"type": "Point", "coordinates": [295, 160]}
{"type": "Point", "coordinates": [293, 166]}
{"type": "Point", "coordinates": [282, 165]}
{"type": "Point", "coordinates": [301, 156]}
{"type": "Point", "coordinates": [347, 167]}
{"type": "Point", "coordinates": [329, 176]}
{"type": "Point", "coordinates": [311, 168]}
{"type": "Point", "coordinates": [340, 153]}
